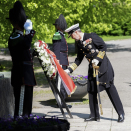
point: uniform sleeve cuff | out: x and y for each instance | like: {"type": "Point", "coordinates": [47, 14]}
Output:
{"type": "Point", "coordinates": [70, 69]}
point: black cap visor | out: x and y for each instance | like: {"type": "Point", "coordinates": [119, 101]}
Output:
{"type": "Point", "coordinates": [72, 31]}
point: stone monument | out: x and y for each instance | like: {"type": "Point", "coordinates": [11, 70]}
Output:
{"type": "Point", "coordinates": [6, 97]}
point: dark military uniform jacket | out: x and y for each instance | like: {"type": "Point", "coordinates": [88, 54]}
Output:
{"type": "Point", "coordinates": [94, 49]}
{"type": "Point", "coordinates": [60, 48]}
{"type": "Point", "coordinates": [22, 70]}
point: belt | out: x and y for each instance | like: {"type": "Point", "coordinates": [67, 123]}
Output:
{"type": "Point", "coordinates": [16, 63]}
{"type": "Point", "coordinates": [24, 62]}
{"type": "Point", "coordinates": [94, 58]}
{"type": "Point", "coordinates": [63, 51]}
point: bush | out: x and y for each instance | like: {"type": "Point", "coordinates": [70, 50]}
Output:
{"type": "Point", "coordinates": [116, 30]}
{"type": "Point", "coordinates": [127, 28]}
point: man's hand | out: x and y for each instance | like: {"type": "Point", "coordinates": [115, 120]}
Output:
{"type": "Point", "coordinates": [95, 62]}
{"type": "Point", "coordinates": [28, 26]}
{"type": "Point", "coordinates": [67, 71]}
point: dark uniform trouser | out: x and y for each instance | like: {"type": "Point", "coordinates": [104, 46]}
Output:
{"type": "Point", "coordinates": [28, 96]}
{"type": "Point", "coordinates": [114, 97]}
{"type": "Point", "coordinates": [62, 89]}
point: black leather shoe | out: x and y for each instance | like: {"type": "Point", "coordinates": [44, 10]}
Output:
{"type": "Point", "coordinates": [98, 119]}
{"type": "Point", "coordinates": [121, 118]}
{"type": "Point", "coordinates": [93, 119]}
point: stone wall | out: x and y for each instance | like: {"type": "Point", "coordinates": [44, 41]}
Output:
{"type": "Point", "coordinates": [6, 98]}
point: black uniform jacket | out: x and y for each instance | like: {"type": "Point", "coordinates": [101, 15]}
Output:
{"type": "Point", "coordinates": [22, 70]}
{"type": "Point", "coordinates": [90, 51]}
{"type": "Point", "coordinates": [60, 48]}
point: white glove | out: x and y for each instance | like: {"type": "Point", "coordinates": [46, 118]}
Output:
{"type": "Point", "coordinates": [95, 61]}
{"type": "Point", "coordinates": [67, 71]}
{"type": "Point", "coordinates": [28, 26]}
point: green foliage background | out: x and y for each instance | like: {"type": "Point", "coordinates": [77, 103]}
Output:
{"type": "Point", "coordinates": [105, 17]}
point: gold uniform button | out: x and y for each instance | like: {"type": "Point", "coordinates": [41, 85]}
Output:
{"type": "Point", "coordinates": [83, 52]}
{"type": "Point", "coordinates": [80, 49]}
{"type": "Point", "coordinates": [90, 53]}
{"type": "Point", "coordinates": [87, 49]}
{"type": "Point", "coordinates": [85, 55]}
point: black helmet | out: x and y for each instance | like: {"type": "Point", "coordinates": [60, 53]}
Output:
{"type": "Point", "coordinates": [61, 22]}
{"type": "Point", "coordinates": [17, 15]}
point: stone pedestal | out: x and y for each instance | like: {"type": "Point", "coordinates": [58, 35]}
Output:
{"type": "Point", "coordinates": [6, 97]}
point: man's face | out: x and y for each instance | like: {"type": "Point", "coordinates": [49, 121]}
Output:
{"type": "Point", "coordinates": [76, 36]}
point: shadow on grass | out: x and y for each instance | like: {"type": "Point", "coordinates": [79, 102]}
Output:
{"type": "Point", "coordinates": [41, 78]}
{"type": "Point", "coordinates": [52, 102]}
{"type": "Point", "coordinates": [78, 101]}
{"type": "Point", "coordinates": [39, 75]}
{"type": "Point", "coordinates": [36, 63]}
{"type": "Point", "coordinates": [7, 64]}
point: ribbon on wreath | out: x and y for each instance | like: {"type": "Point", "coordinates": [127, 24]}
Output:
{"type": "Point", "coordinates": [65, 78]}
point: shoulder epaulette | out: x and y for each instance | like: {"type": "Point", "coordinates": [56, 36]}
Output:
{"type": "Point", "coordinates": [14, 36]}
{"type": "Point", "coordinates": [57, 36]}
{"type": "Point", "coordinates": [73, 66]}
{"type": "Point", "coordinates": [101, 54]}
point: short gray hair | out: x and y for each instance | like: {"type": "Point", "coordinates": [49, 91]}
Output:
{"type": "Point", "coordinates": [79, 30]}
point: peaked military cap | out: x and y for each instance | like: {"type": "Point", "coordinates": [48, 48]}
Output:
{"type": "Point", "coordinates": [72, 29]}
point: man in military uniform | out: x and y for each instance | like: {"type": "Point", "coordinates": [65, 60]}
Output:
{"type": "Point", "coordinates": [19, 45]}
{"type": "Point", "coordinates": [94, 49]}
{"type": "Point", "coordinates": [60, 48]}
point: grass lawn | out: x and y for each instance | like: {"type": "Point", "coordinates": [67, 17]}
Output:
{"type": "Point", "coordinates": [105, 38]}
{"type": "Point", "coordinates": [108, 38]}
{"type": "Point", "coordinates": [69, 41]}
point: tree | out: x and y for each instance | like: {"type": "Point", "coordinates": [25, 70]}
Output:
{"type": "Point", "coordinates": [92, 15]}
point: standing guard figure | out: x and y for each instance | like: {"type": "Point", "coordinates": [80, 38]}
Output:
{"type": "Point", "coordinates": [19, 45]}
{"type": "Point", "coordinates": [93, 48]}
{"type": "Point", "coordinates": [60, 48]}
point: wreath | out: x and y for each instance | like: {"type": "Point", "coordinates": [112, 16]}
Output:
{"type": "Point", "coordinates": [46, 58]}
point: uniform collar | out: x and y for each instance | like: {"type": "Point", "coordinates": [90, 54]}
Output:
{"type": "Point", "coordinates": [20, 32]}
{"type": "Point", "coordinates": [82, 37]}
{"type": "Point", "coordinates": [61, 32]}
